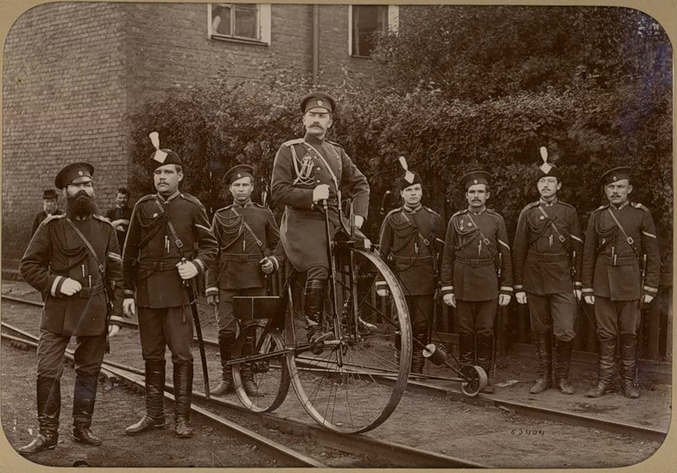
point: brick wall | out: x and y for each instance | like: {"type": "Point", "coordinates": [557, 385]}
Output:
{"type": "Point", "coordinates": [64, 100]}
{"type": "Point", "coordinates": [74, 71]}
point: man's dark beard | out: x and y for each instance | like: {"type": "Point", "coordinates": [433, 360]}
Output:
{"type": "Point", "coordinates": [80, 205]}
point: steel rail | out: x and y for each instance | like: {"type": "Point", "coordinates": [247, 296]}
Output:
{"type": "Point", "coordinates": [527, 410]}
{"type": "Point", "coordinates": [359, 444]}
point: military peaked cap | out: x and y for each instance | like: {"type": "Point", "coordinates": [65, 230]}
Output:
{"type": "Point", "coordinates": [616, 174]}
{"type": "Point", "coordinates": [160, 157]}
{"type": "Point", "coordinates": [238, 172]}
{"type": "Point", "coordinates": [72, 172]}
{"type": "Point", "coordinates": [50, 194]}
{"type": "Point", "coordinates": [475, 177]}
{"type": "Point", "coordinates": [318, 100]}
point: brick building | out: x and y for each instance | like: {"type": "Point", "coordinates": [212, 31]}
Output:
{"type": "Point", "coordinates": [74, 71]}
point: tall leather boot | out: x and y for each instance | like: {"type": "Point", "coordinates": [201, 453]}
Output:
{"type": "Point", "coordinates": [248, 383]}
{"type": "Point", "coordinates": [83, 409]}
{"type": "Point", "coordinates": [544, 354]}
{"type": "Point", "coordinates": [183, 394]}
{"type": "Point", "coordinates": [485, 353]}
{"type": "Point", "coordinates": [563, 356]}
{"type": "Point", "coordinates": [417, 359]}
{"type": "Point", "coordinates": [155, 389]}
{"type": "Point", "coordinates": [314, 312]}
{"type": "Point", "coordinates": [605, 368]}
{"type": "Point", "coordinates": [628, 365]}
{"type": "Point", "coordinates": [226, 342]}
{"type": "Point", "coordinates": [49, 408]}
{"type": "Point", "coordinates": [466, 348]}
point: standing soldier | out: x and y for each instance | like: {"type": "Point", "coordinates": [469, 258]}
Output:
{"type": "Point", "coordinates": [306, 172]}
{"type": "Point", "coordinates": [74, 259]}
{"type": "Point", "coordinates": [476, 272]}
{"type": "Point", "coordinates": [246, 233]}
{"type": "Point", "coordinates": [547, 256]}
{"type": "Point", "coordinates": [621, 265]}
{"type": "Point", "coordinates": [409, 243]}
{"type": "Point", "coordinates": [168, 243]}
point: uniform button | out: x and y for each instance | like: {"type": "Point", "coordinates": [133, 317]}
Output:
{"type": "Point", "coordinates": [317, 180]}
{"type": "Point", "coordinates": [319, 168]}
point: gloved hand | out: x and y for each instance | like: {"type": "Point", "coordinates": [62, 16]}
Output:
{"type": "Point", "coordinates": [647, 298]}
{"type": "Point", "coordinates": [213, 299]}
{"type": "Point", "coordinates": [321, 192]}
{"type": "Point", "coordinates": [590, 300]}
{"type": "Point", "coordinates": [504, 299]}
{"type": "Point", "coordinates": [70, 287]}
{"type": "Point", "coordinates": [578, 294]}
{"type": "Point", "coordinates": [359, 221]}
{"type": "Point", "coordinates": [521, 297]}
{"type": "Point", "coordinates": [113, 330]}
{"type": "Point", "coordinates": [187, 269]}
{"type": "Point", "coordinates": [449, 299]}
{"type": "Point", "coordinates": [129, 307]}
{"type": "Point", "coordinates": [267, 265]}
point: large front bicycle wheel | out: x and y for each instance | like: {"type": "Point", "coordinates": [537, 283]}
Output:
{"type": "Point", "coordinates": [360, 376]}
{"type": "Point", "coordinates": [267, 365]}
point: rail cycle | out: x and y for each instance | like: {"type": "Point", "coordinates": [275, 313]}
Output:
{"type": "Point", "coordinates": [356, 382]}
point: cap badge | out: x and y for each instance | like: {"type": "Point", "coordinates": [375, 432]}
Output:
{"type": "Point", "coordinates": [239, 175]}
{"type": "Point", "coordinates": [614, 178]}
{"type": "Point", "coordinates": [160, 156]}
{"type": "Point", "coordinates": [320, 103]}
{"type": "Point", "coordinates": [80, 173]}
{"type": "Point", "coordinates": [474, 181]}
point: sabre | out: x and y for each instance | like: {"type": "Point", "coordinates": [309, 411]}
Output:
{"type": "Point", "coordinates": [198, 329]}
{"type": "Point", "coordinates": [383, 202]}
{"type": "Point", "coordinates": [641, 320]}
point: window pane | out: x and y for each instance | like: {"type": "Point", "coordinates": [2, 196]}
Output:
{"type": "Point", "coordinates": [221, 19]}
{"type": "Point", "coordinates": [368, 20]}
{"type": "Point", "coordinates": [246, 21]}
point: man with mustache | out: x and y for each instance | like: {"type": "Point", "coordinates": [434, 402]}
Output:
{"type": "Point", "coordinates": [169, 242]}
{"type": "Point", "coordinates": [120, 214]}
{"type": "Point", "coordinates": [50, 201]}
{"type": "Point", "coordinates": [308, 171]}
{"type": "Point", "coordinates": [74, 259]}
{"type": "Point", "coordinates": [247, 235]}
{"type": "Point", "coordinates": [476, 252]}
{"type": "Point", "coordinates": [621, 236]}
{"type": "Point", "coordinates": [547, 255]}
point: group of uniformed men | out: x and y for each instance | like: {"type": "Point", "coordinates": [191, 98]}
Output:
{"type": "Point", "coordinates": [75, 260]}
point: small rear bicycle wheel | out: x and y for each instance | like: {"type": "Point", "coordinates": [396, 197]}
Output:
{"type": "Point", "coordinates": [269, 370]}
{"type": "Point", "coordinates": [359, 378]}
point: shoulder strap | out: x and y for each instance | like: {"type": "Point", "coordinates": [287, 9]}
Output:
{"type": "Point", "coordinates": [628, 239]}
{"type": "Point", "coordinates": [425, 241]}
{"type": "Point", "coordinates": [560, 237]}
{"type": "Point", "coordinates": [175, 235]}
{"type": "Point", "coordinates": [88, 245]}
{"type": "Point", "coordinates": [485, 240]}
{"type": "Point", "coordinates": [259, 243]}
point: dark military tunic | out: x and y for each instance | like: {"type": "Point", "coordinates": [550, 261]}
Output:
{"type": "Point", "coordinates": [547, 245]}
{"type": "Point", "coordinates": [409, 242]}
{"type": "Point", "coordinates": [120, 213]}
{"type": "Point", "coordinates": [56, 253]}
{"type": "Point", "coordinates": [152, 251]}
{"type": "Point", "coordinates": [470, 262]}
{"type": "Point", "coordinates": [300, 166]}
{"type": "Point", "coordinates": [611, 265]}
{"type": "Point", "coordinates": [237, 264]}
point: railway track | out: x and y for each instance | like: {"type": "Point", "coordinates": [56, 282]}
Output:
{"type": "Point", "coordinates": [426, 385]}
{"type": "Point", "coordinates": [362, 445]}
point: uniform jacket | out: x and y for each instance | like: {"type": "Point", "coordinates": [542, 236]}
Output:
{"type": "Point", "coordinates": [117, 213]}
{"type": "Point", "coordinates": [39, 218]}
{"type": "Point", "coordinates": [611, 268]}
{"type": "Point", "coordinates": [543, 255]}
{"type": "Point", "coordinates": [56, 253]}
{"type": "Point", "coordinates": [469, 264]}
{"type": "Point", "coordinates": [151, 251]}
{"type": "Point", "coordinates": [301, 165]}
{"type": "Point", "coordinates": [410, 242]}
{"type": "Point", "coordinates": [237, 264]}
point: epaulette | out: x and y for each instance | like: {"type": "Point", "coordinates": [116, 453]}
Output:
{"type": "Point", "coordinates": [296, 141]}
{"type": "Point", "coordinates": [51, 217]}
{"type": "Point", "coordinates": [102, 218]}
{"type": "Point", "coordinates": [531, 205]}
{"type": "Point", "coordinates": [460, 212]}
{"type": "Point", "coordinates": [334, 143]}
{"type": "Point", "coordinates": [493, 212]}
{"type": "Point", "coordinates": [256, 204]}
{"type": "Point", "coordinates": [145, 198]}
{"type": "Point", "coordinates": [431, 210]}
{"type": "Point", "coordinates": [567, 205]}
{"type": "Point", "coordinates": [601, 207]}
{"type": "Point", "coordinates": [393, 211]}
{"type": "Point", "coordinates": [637, 205]}
{"type": "Point", "coordinates": [192, 199]}
{"type": "Point", "coordinates": [227, 207]}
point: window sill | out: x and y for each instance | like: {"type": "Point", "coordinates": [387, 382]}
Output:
{"type": "Point", "coordinates": [360, 57]}
{"type": "Point", "coordinates": [230, 39]}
